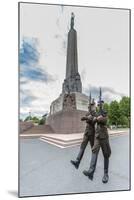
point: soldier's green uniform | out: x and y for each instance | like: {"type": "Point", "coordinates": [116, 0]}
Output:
{"type": "Point", "coordinates": [101, 141]}
{"type": "Point", "coordinates": [89, 135]}
{"type": "Point", "coordinates": [102, 137]}
{"type": "Point", "coordinates": [90, 130]}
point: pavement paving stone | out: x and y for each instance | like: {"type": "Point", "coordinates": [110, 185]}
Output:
{"type": "Point", "coordinates": [46, 169]}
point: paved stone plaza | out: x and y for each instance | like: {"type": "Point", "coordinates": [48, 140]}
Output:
{"type": "Point", "coordinates": [46, 169]}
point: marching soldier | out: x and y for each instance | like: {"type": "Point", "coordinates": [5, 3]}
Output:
{"type": "Point", "coordinates": [101, 141]}
{"type": "Point", "coordinates": [89, 132]}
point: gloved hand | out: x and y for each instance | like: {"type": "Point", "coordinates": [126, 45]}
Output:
{"type": "Point", "coordinates": [100, 117]}
{"type": "Point", "coordinates": [83, 118]}
{"type": "Point", "coordinates": [90, 118]}
{"type": "Point", "coordinates": [95, 119]}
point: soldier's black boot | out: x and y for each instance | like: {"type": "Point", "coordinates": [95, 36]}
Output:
{"type": "Point", "coordinates": [91, 170]}
{"type": "Point", "coordinates": [106, 164]}
{"type": "Point", "coordinates": [78, 159]}
{"type": "Point", "coordinates": [75, 163]}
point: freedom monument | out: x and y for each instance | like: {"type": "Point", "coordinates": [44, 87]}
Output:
{"type": "Point", "coordinates": [66, 111]}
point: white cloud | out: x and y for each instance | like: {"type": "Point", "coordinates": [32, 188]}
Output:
{"type": "Point", "coordinates": [103, 58]}
{"type": "Point", "coordinates": [43, 93]}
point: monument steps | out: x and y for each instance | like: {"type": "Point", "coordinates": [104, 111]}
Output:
{"type": "Point", "coordinates": [30, 136]}
{"type": "Point", "coordinates": [65, 140]}
{"type": "Point", "coordinates": [61, 143]}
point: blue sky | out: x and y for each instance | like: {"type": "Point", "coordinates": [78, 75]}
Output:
{"type": "Point", "coordinates": [30, 70]}
{"type": "Point", "coordinates": [103, 58]}
{"type": "Point", "coordinates": [29, 61]}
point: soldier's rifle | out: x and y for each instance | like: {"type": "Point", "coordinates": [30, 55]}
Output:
{"type": "Point", "coordinates": [90, 99]}
{"type": "Point", "coordinates": [100, 102]}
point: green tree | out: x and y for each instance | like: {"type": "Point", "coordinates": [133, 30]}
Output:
{"type": "Point", "coordinates": [124, 106]}
{"type": "Point", "coordinates": [114, 113]}
{"type": "Point", "coordinates": [27, 118]}
{"type": "Point", "coordinates": [124, 122]}
{"type": "Point", "coordinates": [106, 107]}
{"type": "Point", "coordinates": [35, 119]}
{"type": "Point", "coordinates": [43, 120]}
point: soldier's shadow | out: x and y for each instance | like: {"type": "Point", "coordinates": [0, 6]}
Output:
{"type": "Point", "coordinates": [13, 193]}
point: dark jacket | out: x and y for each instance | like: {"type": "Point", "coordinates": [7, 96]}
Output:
{"type": "Point", "coordinates": [101, 129]}
{"type": "Point", "coordinates": [90, 123]}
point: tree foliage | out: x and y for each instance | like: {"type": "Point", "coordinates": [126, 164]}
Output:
{"type": "Point", "coordinates": [36, 120]}
{"type": "Point", "coordinates": [114, 113]}
{"type": "Point", "coordinates": [42, 121]}
{"type": "Point", "coordinates": [119, 112]}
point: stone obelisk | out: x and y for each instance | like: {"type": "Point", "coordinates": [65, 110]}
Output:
{"type": "Point", "coordinates": [66, 111]}
{"type": "Point", "coordinates": [72, 82]}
